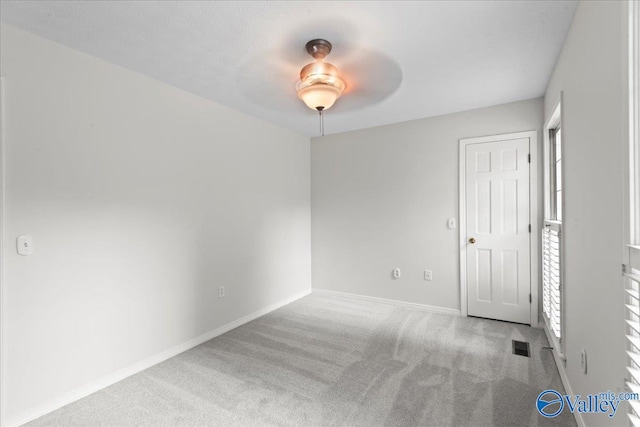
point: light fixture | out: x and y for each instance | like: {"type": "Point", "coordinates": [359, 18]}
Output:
{"type": "Point", "coordinates": [320, 84]}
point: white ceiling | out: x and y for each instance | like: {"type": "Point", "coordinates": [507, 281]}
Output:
{"type": "Point", "coordinates": [401, 60]}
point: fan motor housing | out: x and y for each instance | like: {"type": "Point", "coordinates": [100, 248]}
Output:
{"type": "Point", "coordinates": [318, 48]}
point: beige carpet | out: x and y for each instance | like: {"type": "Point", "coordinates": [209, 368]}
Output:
{"type": "Point", "coordinates": [333, 361]}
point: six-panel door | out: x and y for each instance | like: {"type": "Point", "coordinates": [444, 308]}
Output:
{"type": "Point", "coordinates": [497, 243]}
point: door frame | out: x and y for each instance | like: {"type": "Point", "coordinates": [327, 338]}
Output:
{"type": "Point", "coordinates": [3, 348]}
{"type": "Point", "coordinates": [533, 216]}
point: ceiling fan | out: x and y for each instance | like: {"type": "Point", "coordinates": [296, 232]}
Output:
{"type": "Point", "coordinates": [320, 84]}
{"type": "Point", "coordinates": [361, 79]}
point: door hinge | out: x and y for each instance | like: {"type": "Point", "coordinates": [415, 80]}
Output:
{"type": "Point", "coordinates": [529, 228]}
{"type": "Point", "coordinates": [529, 298]}
{"type": "Point", "coordinates": [624, 269]}
{"type": "Point", "coordinates": [529, 158]}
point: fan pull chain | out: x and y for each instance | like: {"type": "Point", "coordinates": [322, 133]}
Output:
{"type": "Point", "coordinates": [321, 117]}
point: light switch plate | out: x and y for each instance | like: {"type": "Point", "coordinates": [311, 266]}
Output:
{"type": "Point", "coordinates": [24, 245]}
{"type": "Point", "coordinates": [451, 223]}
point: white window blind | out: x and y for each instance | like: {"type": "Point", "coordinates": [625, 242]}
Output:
{"type": "Point", "coordinates": [551, 286]}
{"type": "Point", "coordinates": [632, 309]}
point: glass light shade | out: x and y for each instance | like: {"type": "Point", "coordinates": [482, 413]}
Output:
{"type": "Point", "coordinates": [319, 96]}
{"type": "Point", "coordinates": [318, 68]}
{"type": "Point", "coordinates": [319, 85]}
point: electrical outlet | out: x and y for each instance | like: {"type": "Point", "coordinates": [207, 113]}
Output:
{"type": "Point", "coordinates": [221, 292]}
{"type": "Point", "coordinates": [428, 275]}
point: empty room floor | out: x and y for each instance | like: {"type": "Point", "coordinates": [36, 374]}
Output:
{"type": "Point", "coordinates": [333, 361]}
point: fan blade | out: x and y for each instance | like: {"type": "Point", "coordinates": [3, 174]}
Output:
{"type": "Point", "coordinates": [371, 78]}
{"type": "Point", "coordinates": [269, 81]}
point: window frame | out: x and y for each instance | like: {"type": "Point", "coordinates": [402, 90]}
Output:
{"type": "Point", "coordinates": [631, 246]}
{"type": "Point", "coordinates": [554, 175]}
{"type": "Point", "coordinates": [550, 185]}
{"type": "Point", "coordinates": [633, 164]}
{"type": "Point", "coordinates": [553, 124]}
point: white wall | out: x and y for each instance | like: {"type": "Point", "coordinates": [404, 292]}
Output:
{"type": "Point", "coordinates": [142, 199]}
{"type": "Point", "coordinates": [381, 198]}
{"type": "Point", "coordinates": [591, 74]}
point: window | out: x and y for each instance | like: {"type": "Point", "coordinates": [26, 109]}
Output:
{"type": "Point", "coordinates": [555, 140]}
{"type": "Point", "coordinates": [631, 261]}
{"type": "Point", "coordinates": [552, 231]}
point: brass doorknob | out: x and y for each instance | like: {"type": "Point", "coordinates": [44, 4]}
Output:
{"type": "Point", "coordinates": [472, 240]}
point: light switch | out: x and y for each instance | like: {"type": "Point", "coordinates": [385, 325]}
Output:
{"type": "Point", "coordinates": [24, 245]}
{"type": "Point", "coordinates": [451, 223]}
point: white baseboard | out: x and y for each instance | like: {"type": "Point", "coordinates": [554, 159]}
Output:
{"type": "Point", "coordinates": [423, 307]}
{"type": "Point", "coordinates": [563, 376]}
{"type": "Point", "coordinates": [113, 378]}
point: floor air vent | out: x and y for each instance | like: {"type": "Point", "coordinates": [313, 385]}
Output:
{"type": "Point", "coordinates": [521, 348]}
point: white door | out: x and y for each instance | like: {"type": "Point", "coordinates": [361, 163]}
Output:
{"type": "Point", "coordinates": [497, 228]}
